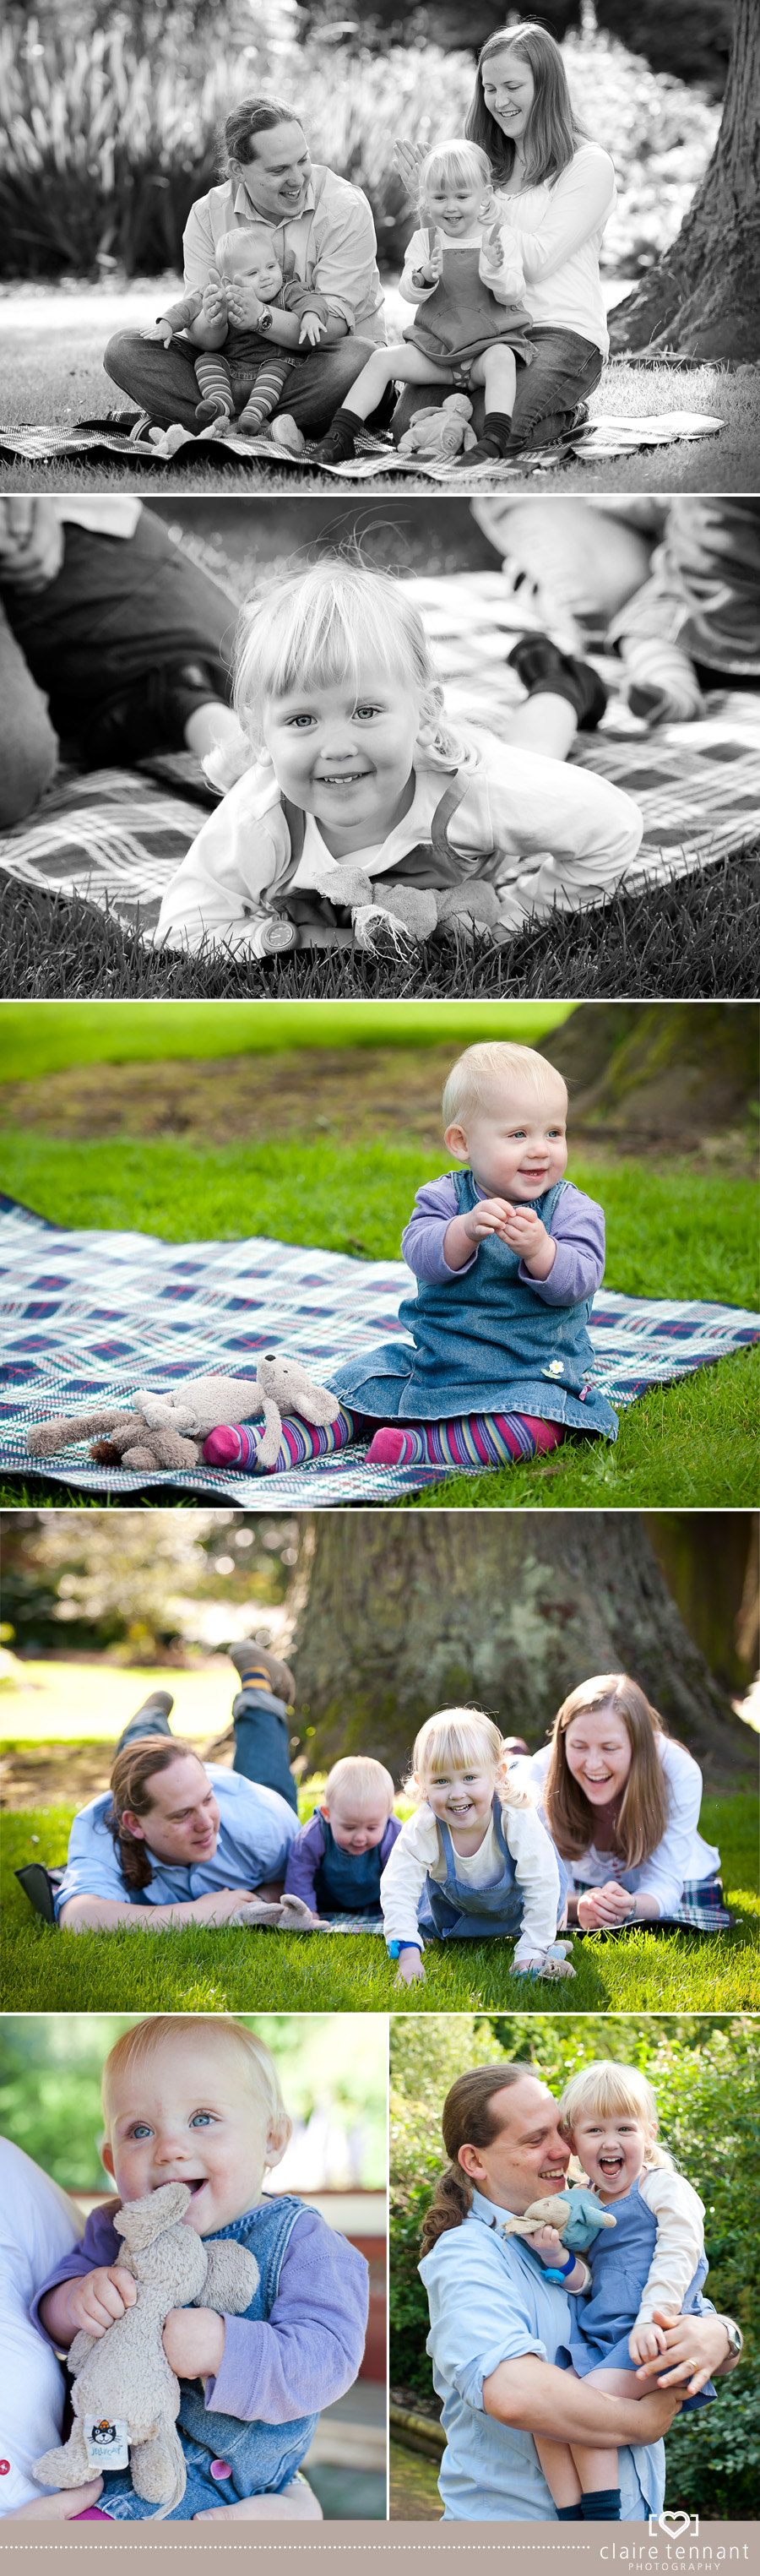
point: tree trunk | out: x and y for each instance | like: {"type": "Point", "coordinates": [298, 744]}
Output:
{"type": "Point", "coordinates": [658, 1073]}
{"type": "Point", "coordinates": [703, 298]}
{"type": "Point", "coordinates": [401, 1615]}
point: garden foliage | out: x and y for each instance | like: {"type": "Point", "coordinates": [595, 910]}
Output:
{"type": "Point", "coordinates": [705, 2074]}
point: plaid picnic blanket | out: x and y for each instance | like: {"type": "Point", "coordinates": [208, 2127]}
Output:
{"type": "Point", "coordinates": [615, 435]}
{"type": "Point", "coordinates": [87, 1317]}
{"type": "Point", "coordinates": [115, 839]}
{"type": "Point", "coordinates": [701, 1907]}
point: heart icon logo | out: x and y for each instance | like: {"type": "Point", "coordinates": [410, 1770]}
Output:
{"type": "Point", "coordinates": [674, 2523]}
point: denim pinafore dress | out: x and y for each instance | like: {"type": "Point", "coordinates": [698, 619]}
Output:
{"type": "Point", "coordinates": [462, 318]}
{"type": "Point", "coordinates": [620, 2263]}
{"type": "Point", "coordinates": [452, 1910]}
{"type": "Point", "coordinates": [346, 1882]}
{"type": "Point", "coordinates": [483, 1343]}
{"type": "Point", "coordinates": [431, 864]}
{"type": "Point", "coordinates": [257, 2458]}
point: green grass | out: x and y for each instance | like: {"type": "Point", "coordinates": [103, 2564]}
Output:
{"type": "Point", "coordinates": [202, 1971]}
{"type": "Point", "coordinates": [676, 1232]}
{"type": "Point", "coordinates": [43, 1037]}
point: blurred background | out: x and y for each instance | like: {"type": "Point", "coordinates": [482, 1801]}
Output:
{"type": "Point", "coordinates": [705, 2072]}
{"type": "Point", "coordinates": [333, 2073]}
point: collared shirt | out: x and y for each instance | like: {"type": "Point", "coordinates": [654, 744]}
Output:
{"type": "Point", "coordinates": [114, 516]}
{"type": "Point", "coordinates": [490, 2301]}
{"type": "Point", "coordinates": [682, 1854]}
{"type": "Point", "coordinates": [256, 1829]}
{"type": "Point", "coordinates": [331, 245]}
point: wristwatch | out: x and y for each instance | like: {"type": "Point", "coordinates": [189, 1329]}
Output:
{"type": "Point", "coordinates": [264, 322]}
{"type": "Point", "coordinates": [735, 2336]}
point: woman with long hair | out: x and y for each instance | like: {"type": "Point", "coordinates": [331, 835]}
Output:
{"type": "Point", "coordinates": [621, 1801]}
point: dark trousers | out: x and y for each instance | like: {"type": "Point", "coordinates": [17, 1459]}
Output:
{"type": "Point", "coordinates": [122, 613]}
{"type": "Point", "coordinates": [565, 369]}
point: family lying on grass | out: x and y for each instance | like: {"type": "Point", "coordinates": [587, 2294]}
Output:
{"type": "Point", "coordinates": [597, 1832]}
{"type": "Point", "coordinates": [193, 2099]}
{"type": "Point", "coordinates": [281, 324]}
{"type": "Point", "coordinates": [559, 2373]}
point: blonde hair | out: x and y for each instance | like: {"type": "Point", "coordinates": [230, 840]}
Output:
{"type": "Point", "coordinates": [138, 2046]}
{"type": "Point", "coordinates": [245, 238]}
{"type": "Point", "coordinates": [359, 1772]}
{"type": "Point", "coordinates": [644, 1805]}
{"type": "Point", "coordinates": [461, 1737]}
{"type": "Point", "coordinates": [452, 161]}
{"type": "Point", "coordinates": [603, 2087]}
{"type": "Point", "coordinates": [494, 1060]}
{"type": "Point", "coordinates": [315, 630]}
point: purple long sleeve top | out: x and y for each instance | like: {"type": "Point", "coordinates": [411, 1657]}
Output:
{"type": "Point", "coordinates": [273, 2370]}
{"type": "Point", "coordinates": [577, 1229]}
{"type": "Point", "coordinates": [307, 1852]}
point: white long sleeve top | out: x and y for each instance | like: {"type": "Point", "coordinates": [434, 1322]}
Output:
{"type": "Point", "coordinates": [679, 2215]}
{"type": "Point", "coordinates": [419, 1850]}
{"type": "Point", "coordinates": [682, 1853]}
{"type": "Point", "coordinates": [558, 230]}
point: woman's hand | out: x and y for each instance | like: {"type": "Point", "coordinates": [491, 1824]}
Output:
{"type": "Point", "coordinates": [407, 162]}
{"type": "Point", "coordinates": [645, 2341]}
{"type": "Point", "coordinates": [94, 2303]}
{"type": "Point", "coordinates": [606, 1908]}
{"type": "Point", "coordinates": [58, 2507]}
{"type": "Point", "coordinates": [409, 1967]}
{"type": "Point", "coordinates": [193, 2341]}
{"type": "Point", "coordinates": [693, 2347]}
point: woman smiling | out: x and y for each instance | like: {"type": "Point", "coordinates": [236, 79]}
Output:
{"type": "Point", "coordinates": [622, 1802]}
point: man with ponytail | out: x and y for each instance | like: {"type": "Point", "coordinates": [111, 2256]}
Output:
{"type": "Point", "coordinates": [497, 2319]}
{"type": "Point", "coordinates": [175, 1841]}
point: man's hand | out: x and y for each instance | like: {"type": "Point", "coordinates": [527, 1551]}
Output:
{"type": "Point", "coordinates": [409, 1968]}
{"type": "Point", "coordinates": [311, 329]}
{"type": "Point", "coordinates": [224, 1901]}
{"type": "Point", "coordinates": [652, 2421]}
{"type": "Point", "coordinates": [645, 2341]}
{"type": "Point", "coordinates": [193, 2341]}
{"type": "Point", "coordinates": [32, 542]}
{"type": "Point", "coordinates": [94, 2303]}
{"type": "Point", "coordinates": [605, 1907]}
{"type": "Point", "coordinates": [693, 2347]}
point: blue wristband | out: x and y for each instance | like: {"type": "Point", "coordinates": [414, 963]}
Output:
{"type": "Point", "coordinates": [395, 1948]}
{"type": "Point", "coordinates": [551, 2275]}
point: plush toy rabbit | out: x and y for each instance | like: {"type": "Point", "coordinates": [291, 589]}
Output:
{"type": "Point", "coordinates": [576, 2214]}
{"type": "Point", "coordinates": [123, 2376]}
{"type": "Point", "coordinates": [168, 1430]}
{"type": "Point", "coordinates": [440, 432]}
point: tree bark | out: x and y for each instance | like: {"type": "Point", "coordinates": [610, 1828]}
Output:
{"type": "Point", "coordinates": [703, 298]}
{"type": "Point", "coordinates": [648, 1073]}
{"type": "Point", "coordinates": [401, 1615]}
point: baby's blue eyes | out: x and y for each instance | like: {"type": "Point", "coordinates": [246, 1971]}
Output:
{"type": "Point", "coordinates": [299, 723]}
{"type": "Point", "coordinates": [141, 2130]}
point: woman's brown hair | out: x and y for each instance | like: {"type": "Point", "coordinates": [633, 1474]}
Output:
{"type": "Point", "coordinates": [643, 1813]}
{"type": "Point", "coordinates": [468, 2120]}
{"type": "Point", "coordinates": [553, 131]}
{"type": "Point", "coordinates": [131, 1772]}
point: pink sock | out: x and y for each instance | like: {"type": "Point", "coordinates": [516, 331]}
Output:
{"type": "Point", "coordinates": [237, 1444]}
{"type": "Point", "coordinates": [475, 1440]}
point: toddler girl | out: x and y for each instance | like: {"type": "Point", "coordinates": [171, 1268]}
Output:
{"type": "Point", "coordinates": [335, 1862]}
{"type": "Point", "coordinates": [507, 1255]}
{"type": "Point", "coordinates": [653, 2258]}
{"type": "Point", "coordinates": [350, 764]}
{"type": "Point", "coordinates": [470, 315]}
{"type": "Point", "coordinates": [196, 2098]}
{"type": "Point", "coordinates": [230, 354]}
{"type": "Point", "coordinates": [474, 1863]}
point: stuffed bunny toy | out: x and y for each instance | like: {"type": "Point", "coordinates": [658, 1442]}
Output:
{"type": "Point", "coordinates": [576, 2213]}
{"type": "Point", "coordinates": [123, 2376]}
{"type": "Point", "coordinates": [168, 1430]}
{"type": "Point", "coordinates": [440, 432]}
{"type": "Point", "coordinates": [408, 913]}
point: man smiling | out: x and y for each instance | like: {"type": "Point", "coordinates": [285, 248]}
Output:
{"type": "Point", "coordinates": [322, 235]}
{"type": "Point", "coordinates": [175, 1841]}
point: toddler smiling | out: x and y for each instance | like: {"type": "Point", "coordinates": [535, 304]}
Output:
{"type": "Point", "coordinates": [474, 1862]}
{"type": "Point", "coordinates": [195, 2098]}
{"type": "Point", "coordinates": [335, 1862]}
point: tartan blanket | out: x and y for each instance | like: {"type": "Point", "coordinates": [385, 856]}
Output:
{"type": "Point", "coordinates": [89, 1316]}
{"type": "Point", "coordinates": [700, 1909]}
{"type": "Point", "coordinates": [615, 435]}
{"type": "Point", "coordinates": [115, 838]}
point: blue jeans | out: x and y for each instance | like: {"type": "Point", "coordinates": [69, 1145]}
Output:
{"type": "Point", "coordinates": [163, 381]}
{"type": "Point", "coordinates": [261, 1740]}
{"type": "Point", "coordinates": [564, 371]}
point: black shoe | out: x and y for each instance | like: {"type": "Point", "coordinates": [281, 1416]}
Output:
{"type": "Point", "coordinates": [545, 671]}
{"type": "Point", "coordinates": [339, 442]}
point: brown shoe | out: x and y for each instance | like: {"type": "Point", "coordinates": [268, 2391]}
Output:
{"type": "Point", "coordinates": [250, 1658]}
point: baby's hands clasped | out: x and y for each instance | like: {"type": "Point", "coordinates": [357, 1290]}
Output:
{"type": "Point", "coordinates": [518, 1227]}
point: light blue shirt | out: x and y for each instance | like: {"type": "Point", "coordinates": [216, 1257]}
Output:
{"type": "Point", "coordinates": [256, 1829]}
{"type": "Point", "coordinates": [490, 2301]}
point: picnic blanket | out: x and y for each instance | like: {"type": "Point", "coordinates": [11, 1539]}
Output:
{"type": "Point", "coordinates": [615, 435]}
{"type": "Point", "coordinates": [89, 1316]}
{"type": "Point", "coordinates": [116, 839]}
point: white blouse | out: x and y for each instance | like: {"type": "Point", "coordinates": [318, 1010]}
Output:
{"type": "Point", "coordinates": [558, 230]}
{"type": "Point", "coordinates": [682, 1853]}
{"type": "Point", "coordinates": [418, 1849]}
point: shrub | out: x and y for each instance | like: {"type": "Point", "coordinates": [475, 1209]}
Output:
{"type": "Point", "coordinates": [691, 38]}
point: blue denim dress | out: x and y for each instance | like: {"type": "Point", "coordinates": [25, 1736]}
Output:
{"type": "Point", "coordinates": [452, 1910]}
{"type": "Point", "coordinates": [620, 2265]}
{"type": "Point", "coordinates": [259, 2458]}
{"type": "Point", "coordinates": [483, 1343]}
{"type": "Point", "coordinates": [347, 1882]}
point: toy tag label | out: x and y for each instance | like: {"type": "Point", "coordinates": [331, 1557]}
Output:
{"type": "Point", "coordinates": [107, 2444]}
